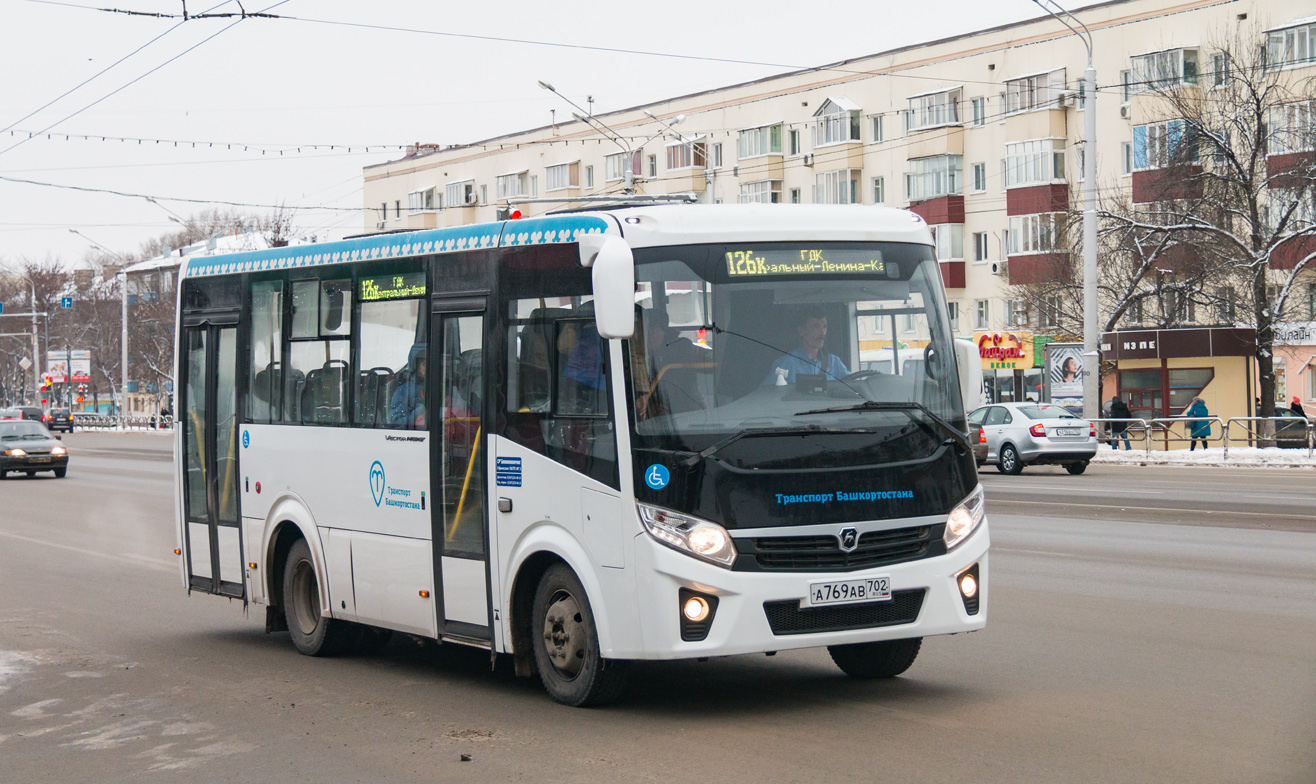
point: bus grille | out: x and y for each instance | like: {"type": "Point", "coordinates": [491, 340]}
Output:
{"type": "Point", "coordinates": [789, 617]}
{"type": "Point", "coordinates": [824, 553]}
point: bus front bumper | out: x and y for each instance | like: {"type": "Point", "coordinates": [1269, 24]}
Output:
{"type": "Point", "coordinates": [758, 612]}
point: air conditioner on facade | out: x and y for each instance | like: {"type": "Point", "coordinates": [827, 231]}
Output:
{"type": "Point", "coordinates": [380, 224]}
{"type": "Point", "coordinates": [999, 268]}
{"type": "Point", "coordinates": [808, 159]}
{"type": "Point", "coordinates": [1125, 112]}
{"type": "Point", "coordinates": [1066, 98]}
{"type": "Point", "coordinates": [472, 199]}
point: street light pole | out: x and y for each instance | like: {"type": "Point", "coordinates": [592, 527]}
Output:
{"type": "Point", "coordinates": [1091, 367]}
{"type": "Point", "coordinates": [123, 345]}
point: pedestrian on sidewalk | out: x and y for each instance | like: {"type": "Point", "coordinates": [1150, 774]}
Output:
{"type": "Point", "coordinates": [1296, 407]}
{"type": "Point", "coordinates": [1120, 410]}
{"type": "Point", "coordinates": [1198, 429]}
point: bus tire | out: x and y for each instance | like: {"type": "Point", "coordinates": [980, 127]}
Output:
{"type": "Point", "coordinates": [566, 643]}
{"type": "Point", "coordinates": [868, 660]}
{"type": "Point", "coordinates": [313, 634]}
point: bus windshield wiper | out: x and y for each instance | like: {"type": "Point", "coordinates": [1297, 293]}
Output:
{"type": "Point", "coordinates": [906, 408]}
{"type": "Point", "coordinates": [709, 451]}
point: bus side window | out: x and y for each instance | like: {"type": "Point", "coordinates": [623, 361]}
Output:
{"type": "Point", "coordinates": [392, 365]}
{"type": "Point", "coordinates": [265, 403]}
{"type": "Point", "coordinates": [316, 383]}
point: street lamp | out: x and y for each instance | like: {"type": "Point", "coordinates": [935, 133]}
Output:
{"type": "Point", "coordinates": [1091, 405]}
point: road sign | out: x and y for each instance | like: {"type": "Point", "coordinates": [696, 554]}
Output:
{"type": "Point", "coordinates": [25, 364]}
{"type": "Point", "coordinates": [2, 307]}
{"type": "Point", "coordinates": [65, 302]}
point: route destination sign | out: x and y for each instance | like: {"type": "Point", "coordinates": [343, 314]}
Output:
{"type": "Point", "coordinates": [804, 261]}
{"type": "Point", "coordinates": [381, 287]}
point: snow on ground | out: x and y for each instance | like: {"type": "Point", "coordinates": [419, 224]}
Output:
{"type": "Point", "coordinates": [1238, 456]}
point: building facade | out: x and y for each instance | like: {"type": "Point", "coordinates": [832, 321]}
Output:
{"type": "Point", "coordinates": [980, 134]}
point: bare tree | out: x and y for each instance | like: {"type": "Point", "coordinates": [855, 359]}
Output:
{"type": "Point", "coordinates": [1229, 179]}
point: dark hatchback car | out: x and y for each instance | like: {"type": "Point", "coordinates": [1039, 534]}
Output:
{"type": "Point", "coordinates": [31, 413]}
{"type": "Point", "coordinates": [29, 447]}
{"type": "Point", "coordinates": [59, 419]}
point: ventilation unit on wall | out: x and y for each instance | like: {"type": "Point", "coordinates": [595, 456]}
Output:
{"type": "Point", "coordinates": [1125, 112]}
{"type": "Point", "coordinates": [999, 268]}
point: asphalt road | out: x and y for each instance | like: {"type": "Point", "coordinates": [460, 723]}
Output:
{"type": "Point", "coordinates": [1120, 648]}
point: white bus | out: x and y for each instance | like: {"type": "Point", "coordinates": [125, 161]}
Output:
{"type": "Point", "coordinates": [586, 439]}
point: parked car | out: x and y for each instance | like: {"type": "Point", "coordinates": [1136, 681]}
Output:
{"type": "Point", "coordinates": [29, 447]}
{"type": "Point", "coordinates": [1023, 434]}
{"type": "Point", "coordinates": [1290, 435]}
{"type": "Point", "coordinates": [978, 437]}
{"type": "Point", "coordinates": [59, 419]}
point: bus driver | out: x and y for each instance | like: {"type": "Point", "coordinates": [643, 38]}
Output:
{"type": "Point", "coordinates": [810, 358]}
{"type": "Point", "coordinates": [408, 404]}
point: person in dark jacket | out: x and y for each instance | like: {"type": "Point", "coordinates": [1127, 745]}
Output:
{"type": "Point", "coordinates": [1120, 410]}
{"type": "Point", "coordinates": [1296, 407]}
{"type": "Point", "coordinates": [1198, 429]}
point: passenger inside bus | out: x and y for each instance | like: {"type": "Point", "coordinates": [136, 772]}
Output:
{"type": "Point", "coordinates": [810, 357]}
{"type": "Point", "coordinates": [407, 406]}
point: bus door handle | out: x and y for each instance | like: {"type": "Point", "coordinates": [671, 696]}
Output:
{"type": "Point", "coordinates": [504, 504]}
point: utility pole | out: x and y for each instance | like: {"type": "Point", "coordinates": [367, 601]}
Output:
{"type": "Point", "coordinates": [123, 344]}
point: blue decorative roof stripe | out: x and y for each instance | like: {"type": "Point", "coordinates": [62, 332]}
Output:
{"type": "Point", "coordinates": [531, 231]}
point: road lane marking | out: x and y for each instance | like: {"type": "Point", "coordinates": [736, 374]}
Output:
{"type": "Point", "coordinates": [149, 559]}
{"type": "Point", "coordinates": [1152, 508]}
{"type": "Point", "coordinates": [995, 549]}
{"type": "Point", "coordinates": [84, 551]}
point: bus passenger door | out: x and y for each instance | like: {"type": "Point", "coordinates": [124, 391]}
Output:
{"type": "Point", "coordinates": [212, 536]}
{"type": "Point", "coordinates": [458, 436]}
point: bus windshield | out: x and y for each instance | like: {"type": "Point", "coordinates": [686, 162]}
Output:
{"type": "Point", "coordinates": [779, 337]}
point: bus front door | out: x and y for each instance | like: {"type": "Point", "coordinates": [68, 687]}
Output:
{"type": "Point", "coordinates": [458, 434]}
{"type": "Point", "coordinates": [212, 539]}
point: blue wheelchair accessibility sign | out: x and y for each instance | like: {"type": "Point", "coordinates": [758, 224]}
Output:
{"type": "Point", "coordinates": [656, 476]}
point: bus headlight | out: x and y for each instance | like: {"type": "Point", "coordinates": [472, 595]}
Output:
{"type": "Point", "coordinates": [691, 535]}
{"type": "Point", "coordinates": [964, 518]}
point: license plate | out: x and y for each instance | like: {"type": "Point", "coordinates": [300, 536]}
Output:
{"type": "Point", "coordinates": [874, 589]}
{"type": "Point", "coordinates": [40, 460]}
{"type": "Point", "coordinates": [1067, 431]}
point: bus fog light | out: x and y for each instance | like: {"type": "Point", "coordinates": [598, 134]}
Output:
{"type": "Point", "coordinates": [697, 613]}
{"type": "Point", "coordinates": [969, 586]}
{"type": "Point", "coordinates": [696, 609]}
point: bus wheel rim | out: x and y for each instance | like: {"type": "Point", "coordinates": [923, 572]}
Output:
{"type": "Point", "coordinates": [564, 634]}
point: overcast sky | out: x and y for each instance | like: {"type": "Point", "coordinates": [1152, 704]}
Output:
{"type": "Point", "coordinates": [282, 83]}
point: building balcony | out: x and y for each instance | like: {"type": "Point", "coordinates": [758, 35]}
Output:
{"type": "Point", "coordinates": [1036, 124]}
{"type": "Point", "coordinates": [943, 209]}
{"type": "Point", "coordinates": [1034, 199]}
{"type": "Point", "coordinates": [428, 219]}
{"type": "Point", "coordinates": [1292, 251]}
{"type": "Point", "coordinates": [1290, 170]}
{"type": "Point", "coordinates": [1177, 182]}
{"type": "Point", "coordinates": [1028, 268]}
{"type": "Point", "coordinates": [952, 274]}
{"type": "Point", "coordinates": [682, 181]}
{"type": "Point", "coordinates": [760, 167]}
{"type": "Point", "coordinates": [946, 140]}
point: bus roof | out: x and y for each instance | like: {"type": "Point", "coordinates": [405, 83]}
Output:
{"type": "Point", "coordinates": [649, 225]}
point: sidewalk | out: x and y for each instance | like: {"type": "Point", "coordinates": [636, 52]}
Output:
{"type": "Point", "coordinates": [1238, 456]}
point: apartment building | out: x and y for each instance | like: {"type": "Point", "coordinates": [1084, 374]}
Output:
{"type": "Point", "coordinates": [980, 134]}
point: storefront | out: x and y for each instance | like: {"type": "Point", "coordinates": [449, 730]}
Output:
{"type": "Point", "coordinates": [1295, 364]}
{"type": "Point", "coordinates": [1010, 367]}
{"type": "Point", "coordinates": [1159, 371]}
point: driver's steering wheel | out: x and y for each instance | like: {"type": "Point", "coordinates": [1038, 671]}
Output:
{"type": "Point", "coordinates": [862, 375]}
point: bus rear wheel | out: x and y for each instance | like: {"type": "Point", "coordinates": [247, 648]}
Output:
{"type": "Point", "coordinates": [867, 660]}
{"type": "Point", "coordinates": [566, 643]}
{"type": "Point", "coordinates": [312, 633]}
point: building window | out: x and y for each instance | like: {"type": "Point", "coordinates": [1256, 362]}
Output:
{"type": "Point", "coordinates": [933, 110]}
{"type": "Point", "coordinates": [616, 165]}
{"type": "Point", "coordinates": [397, 208]}
{"type": "Point", "coordinates": [1016, 313]}
{"type": "Point", "coordinates": [949, 240]}
{"type": "Point", "coordinates": [979, 177]}
{"type": "Point", "coordinates": [762, 192]}
{"type": "Point", "coordinates": [563, 175]}
{"type": "Point", "coordinates": [764, 140]}
{"type": "Point", "coordinates": [589, 176]}
{"type": "Point", "coordinates": [1158, 145]}
{"type": "Point", "coordinates": [507, 186]}
{"type": "Point", "coordinates": [484, 194]}
{"type": "Point", "coordinates": [1226, 306]}
{"type": "Point", "coordinates": [1039, 233]}
{"type": "Point", "coordinates": [717, 156]}
{"type": "Point", "coordinates": [1219, 69]}
{"type": "Point", "coordinates": [653, 165]}
{"type": "Point", "coordinates": [1133, 314]}
{"type": "Point", "coordinates": [420, 201]}
{"type": "Point", "coordinates": [837, 121]}
{"type": "Point", "coordinates": [1292, 128]}
{"type": "Point", "coordinates": [837, 187]}
{"type": "Point", "coordinates": [795, 141]}
{"type": "Point", "coordinates": [1080, 154]}
{"type": "Point", "coordinates": [1126, 157]}
{"type": "Point", "coordinates": [383, 211]}
{"type": "Point", "coordinates": [953, 315]}
{"type": "Point", "coordinates": [686, 155]}
{"type": "Point", "coordinates": [1162, 70]}
{"type": "Point", "coordinates": [878, 134]}
{"type": "Point", "coordinates": [1126, 86]}
{"type": "Point", "coordinates": [938, 175]}
{"type": "Point", "coordinates": [982, 314]}
{"type": "Point", "coordinates": [980, 246]}
{"type": "Point", "coordinates": [1049, 311]}
{"type": "Point", "coordinates": [1034, 162]}
{"type": "Point", "coordinates": [879, 190]}
{"type": "Point", "coordinates": [1038, 91]}
{"type": "Point", "coordinates": [979, 112]}
{"type": "Point", "coordinates": [1291, 46]}
{"type": "Point", "coordinates": [795, 195]}
{"type": "Point", "coordinates": [459, 194]}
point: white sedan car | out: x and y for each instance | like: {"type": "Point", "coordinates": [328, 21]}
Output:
{"type": "Point", "coordinates": [1020, 434]}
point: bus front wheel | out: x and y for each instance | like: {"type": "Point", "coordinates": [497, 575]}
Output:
{"type": "Point", "coordinates": [311, 632]}
{"type": "Point", "coordinates": [566, 643]}
{"type": "Point", "coordinates": [876, 659]}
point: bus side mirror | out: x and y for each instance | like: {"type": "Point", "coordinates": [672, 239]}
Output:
{"type": "Point", "coordinates": [613, 269]}
{"type": "Point", "coordinates": [970, 366]}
